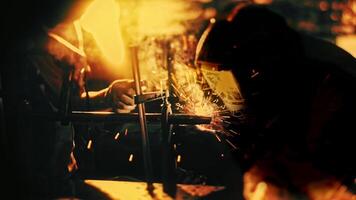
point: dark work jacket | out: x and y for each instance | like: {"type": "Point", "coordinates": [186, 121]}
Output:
{"type": "Point", "coordinates": [39, 145]}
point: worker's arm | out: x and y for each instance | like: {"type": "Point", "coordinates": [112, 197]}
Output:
{"type": "Point", "coordinates": [119, 97]}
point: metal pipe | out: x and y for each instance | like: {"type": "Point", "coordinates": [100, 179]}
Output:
{"type": "Point", "coordinates": [112, 117]}
{"type": "Point", "coordinates": [168, 161]}
{"type": "Point", "coordinates": [142, 117]}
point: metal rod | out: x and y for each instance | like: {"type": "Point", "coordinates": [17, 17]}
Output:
{"type": "Point", "coordinates": [112, 117]}
{"type": "Point", "coordinates": [168, 161]}
{"type": "Point", "coordinates": [169, 64]}
{"type": "Point", "coordinates": [142, 117]}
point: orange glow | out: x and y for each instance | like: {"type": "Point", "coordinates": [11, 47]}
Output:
{"type": "Point", "coordinates": [263, 1]}
{"type": "Point", "coordinates": [348, 43]}
{"type": "Point", "coordinates": [144, 18]}
{"type": "Point", "coordinates": [72, 165]}
{"type": "Point", "coordinates": [324, 5]}
{"type": "Point", "coordinates": [101, 19]}
{"type": "Point", "coordinates": [137, 190]}
{"type": "Point", "coordinates": [127, 190]}
{"type": "Point", "coordinates": [260, 191]}
{"type": "Point", "coordinates": [347, 24]}
{"type": "Point", "coordinates": [321, 186]}
{"type": "Point", "coordinates": [95, 40]}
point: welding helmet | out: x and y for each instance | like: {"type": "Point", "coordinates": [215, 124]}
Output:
{"type": "Point", "coordinates": [256, 45]}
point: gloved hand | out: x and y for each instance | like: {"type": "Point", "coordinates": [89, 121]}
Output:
{"type": "Point", "coordinates": [120, 94]}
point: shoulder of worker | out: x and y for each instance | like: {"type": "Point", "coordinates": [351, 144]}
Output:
{"type": "Point", "coordinates": [329, 53]}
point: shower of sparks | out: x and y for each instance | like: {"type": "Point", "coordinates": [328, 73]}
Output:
{"type": "Point", "coordinates": [154, 28]}
{"type": "Point", "coordinates": [179, 158]}
{"type": "Point", "coordinates": [152, 64]}
{"type": "Point", "coordinates": [141, 23]}
{"type": "Point", "coordinates": [217, 137]}
{"type": "Point", "coordinates": [117, 136]}
{"type": "Point", "coordinates": [188, 84]}
{"type": "Point", "coordinates": [89, 144]}
{"type": "Point", "coordinates": [131, 157]}
{"type": "Point", "coordinates": [231, 144]}
{"type": "Point", "coordinates": [234, 132]}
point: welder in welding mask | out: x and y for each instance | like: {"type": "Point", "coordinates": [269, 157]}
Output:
{"type": "Point", "coordinates": [291, 87]}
